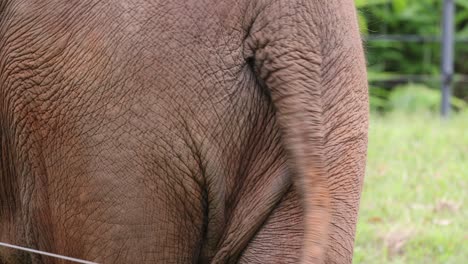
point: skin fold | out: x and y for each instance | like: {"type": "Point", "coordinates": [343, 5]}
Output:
{"type": "Point", "coordinates": [181, 131]}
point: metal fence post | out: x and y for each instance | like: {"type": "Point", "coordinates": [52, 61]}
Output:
{"type": "Point", "coordinates": [448, 31]}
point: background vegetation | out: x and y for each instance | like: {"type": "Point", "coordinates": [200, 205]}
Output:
{"type": "Point", "coordinates": [390, 62]}
{"type": "Point", "coordinates": [413, 207]}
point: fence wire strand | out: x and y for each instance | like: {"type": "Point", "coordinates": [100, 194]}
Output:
{"type": "Point", "coordinates": [46, 253]}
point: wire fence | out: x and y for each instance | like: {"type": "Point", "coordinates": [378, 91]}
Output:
{"type": "Point", "coordinates": [417, 78]}
{"type": "Point", "coordinates": [447, 78]}
{"type": "Point", "coordinates": [410, 38]}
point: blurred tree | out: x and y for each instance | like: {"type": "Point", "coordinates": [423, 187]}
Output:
{"type": "Point", "coordinates": [420, 18]}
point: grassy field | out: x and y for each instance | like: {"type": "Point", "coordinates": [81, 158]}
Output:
{"type": "Point", "coordinates": [414, 203]}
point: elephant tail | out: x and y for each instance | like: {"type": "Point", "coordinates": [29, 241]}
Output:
{"type": "Point", "coordinates": [308, 58]}
{"type": "Point", "coordinates": [291, 73]}
{"type": "Point", "coordinates": [286, 56]}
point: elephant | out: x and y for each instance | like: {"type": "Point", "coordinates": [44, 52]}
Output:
{"type": "Point", "coordinates": [184, 131]}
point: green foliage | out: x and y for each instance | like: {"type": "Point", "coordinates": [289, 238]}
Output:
{"type": "Point", "coordinates": [423, 18]}
{"type": "Point", "coordinates": [388, 60]}
{"type": "Point", "coordinates": [414, 98]}
{"type": "Point", "coordinates": [379, 99]}
{"type": "Point", "coordinates": [401, 17]}
{"type": "Point", "coordinates": [411, 98]}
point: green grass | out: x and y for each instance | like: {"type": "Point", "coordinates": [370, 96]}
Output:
{"type": "Point", "coordinates": [414, 202]}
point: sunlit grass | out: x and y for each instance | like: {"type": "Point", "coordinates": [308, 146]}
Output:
{"type": "Point", "coordinates": [413, 207]}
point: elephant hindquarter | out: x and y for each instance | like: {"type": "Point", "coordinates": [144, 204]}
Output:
{"type": "Point", "coordinates": [124, 140]}
{"type": "Point", "coordinates": [138, 131]}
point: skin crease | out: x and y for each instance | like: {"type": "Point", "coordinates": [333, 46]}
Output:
{"type": "Point", "coordinates": [181, 131]}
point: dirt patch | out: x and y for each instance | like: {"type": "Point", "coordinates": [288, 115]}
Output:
{"type": "Point", "coordinates": [447, 206]}
{"type": "Point", "coordinates": [396, 240]}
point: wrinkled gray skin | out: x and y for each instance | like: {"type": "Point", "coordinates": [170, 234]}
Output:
{"type": "Point", "coordinates": [185, 131]}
